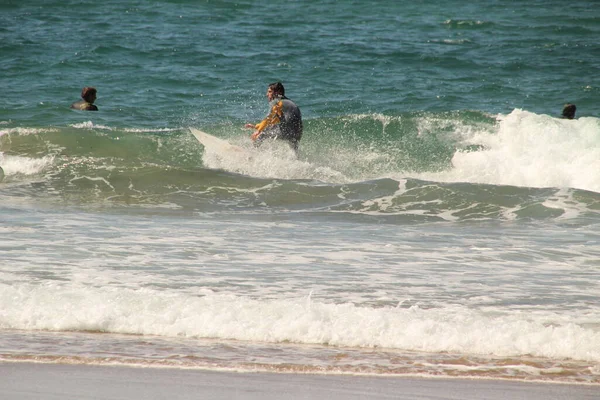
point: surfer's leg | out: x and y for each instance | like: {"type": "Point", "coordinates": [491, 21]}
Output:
{"type": "Point", "coordinates": [256, 143]}
{"type": "Point", "coordinates": [294, 146]}
{"type": "Point", "coordinates": [266, 134]}
{"type": "Point", "coordinates": [261, 138]}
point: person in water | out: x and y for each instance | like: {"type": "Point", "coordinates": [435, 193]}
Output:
{"type": "Point", "coordinates": [88, 94]}
{"type": "Point", "coordinates": [284, 121]}
{"type": "Point", "coordinates": [568, 111]}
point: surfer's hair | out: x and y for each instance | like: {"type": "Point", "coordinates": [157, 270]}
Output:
{"type": "Point", "coordinates": [277, 88]}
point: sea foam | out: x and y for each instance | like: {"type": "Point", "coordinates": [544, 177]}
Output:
{"type": "Point", "coordinates": [534, 151]}
{"type": "Point", "coordinates": [451, 328]}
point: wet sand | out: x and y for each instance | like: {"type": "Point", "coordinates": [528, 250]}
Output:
{"type": "Point", "coordinates": [21, 381]}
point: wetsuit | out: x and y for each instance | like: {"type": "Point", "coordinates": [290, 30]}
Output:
{"type": "Point", "coordinates": [84, 105]}
{"type": "Point", "coordinates": [284, 122]}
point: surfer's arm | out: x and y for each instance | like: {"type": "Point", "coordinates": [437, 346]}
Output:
{"type": "Point", "coordinates": [274, 117]}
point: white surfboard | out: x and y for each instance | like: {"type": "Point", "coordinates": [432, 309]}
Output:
{"type": "Point", "coordinates": [215, 144]}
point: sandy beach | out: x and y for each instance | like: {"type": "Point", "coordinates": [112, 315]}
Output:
{"type": "Point", "coordinates": [23, 381]}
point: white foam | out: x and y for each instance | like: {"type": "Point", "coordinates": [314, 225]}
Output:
{"type": "Point", "coordinates": [51, 306]}
{"type": "Point", "coordinates": [91, 125]}
{"type": "Point", "coordinates": [272, 160]}
{"type": "Point", "coordinates": [13, 165]}
{"type": "Point", "coordinates": [532, 150]}
{"type": "Point", "coordinates": [26, 131]}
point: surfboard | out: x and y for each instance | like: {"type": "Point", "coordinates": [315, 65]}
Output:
{"type": "Point", "coordinates": [218, 145]}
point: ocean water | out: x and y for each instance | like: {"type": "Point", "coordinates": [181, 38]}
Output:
{"type": "Point", "coordinates": [440, 220]}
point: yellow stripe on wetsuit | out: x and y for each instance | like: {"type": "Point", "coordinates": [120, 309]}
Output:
{"type": "Point", "coordinates": [274, 117]}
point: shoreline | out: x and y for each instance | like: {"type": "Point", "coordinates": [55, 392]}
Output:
{"type": "Point", "coordinates": [110, 349]}
{"type": "Point", "coordinates": [35, 380]}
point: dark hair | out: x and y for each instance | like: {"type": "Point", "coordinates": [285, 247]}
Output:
{"type": "Point", "coordinates": [277, 88]}
{"type": "Point", "coordinates": [87, 93]}
{"type": "Point", "coordinates": [569, 111]}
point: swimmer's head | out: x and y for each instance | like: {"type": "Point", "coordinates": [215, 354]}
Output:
{"type": "Point", "coordinates": [569, 111]}
{"type": "Point", "coordinates": [88, 94]}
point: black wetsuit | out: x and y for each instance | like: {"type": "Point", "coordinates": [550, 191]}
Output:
{"type": "Point", "coordinates": [284, 122]}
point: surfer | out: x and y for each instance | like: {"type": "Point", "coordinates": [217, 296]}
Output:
{"type": "Point", "coordinates": [284, 121]}
{"type": "Point", "coordinates": [88, 94]}
{"type": "Point", "coordinates": [568, 111]}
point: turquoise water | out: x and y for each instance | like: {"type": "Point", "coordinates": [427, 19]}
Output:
{"type": "Point", "coordinates": [169, 64]}
{"type": "Point", "coordinates": [440, 219]}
